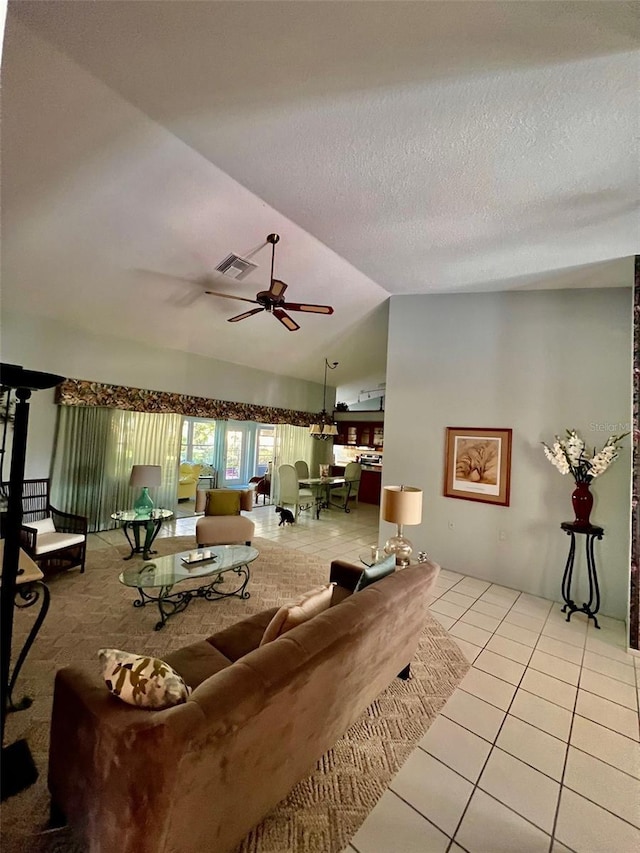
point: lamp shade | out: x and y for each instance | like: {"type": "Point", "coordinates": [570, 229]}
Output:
{"type": "Point", "coordinates": [329, 429]}
{"type": "Point", "coordinates": [402, 504]}
{"type": "Point", "coordinates": [315, 429]}
{"type": "Point", "coordinates": [146, 475]}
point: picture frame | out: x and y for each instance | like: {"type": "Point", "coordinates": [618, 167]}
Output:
{"type": "Point", "coordinates": [477, 464]}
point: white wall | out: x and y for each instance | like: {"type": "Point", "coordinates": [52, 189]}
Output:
{"type": "Point", "coordinates": [40, 344]}
{"type": "Point", "coordinates": [537, 362]}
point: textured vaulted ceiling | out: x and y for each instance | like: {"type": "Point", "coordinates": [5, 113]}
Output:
{"type": "Point", "coordinates": [396, 147]}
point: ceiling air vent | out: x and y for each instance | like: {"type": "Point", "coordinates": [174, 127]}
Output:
{"type": "Point", "coordinates": [235, 267]}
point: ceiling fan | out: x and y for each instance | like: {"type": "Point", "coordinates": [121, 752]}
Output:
{"type": "Point", "coordinates": [273, 300]}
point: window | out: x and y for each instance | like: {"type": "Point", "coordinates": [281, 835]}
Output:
{"type": "Point", "coordinates": [233, 455]}
{"type": "Point", "coordinates": [237, 450]}
{"type": "Point", "coordinates": [198, 442]}
{"type": "Point", "coordinates": [265, 441]}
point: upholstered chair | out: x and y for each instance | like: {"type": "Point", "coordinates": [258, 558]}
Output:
{"type": "Point", "coordinates": [262, 485]}
{"type": "Point", "coordinates": [341, 495]}
{"type": "Point", "coordinates": [290, 493]}
{"type": "Point", "coordinates": [222, 522]}
{"type": "Point", "coordinates": [188, 481]}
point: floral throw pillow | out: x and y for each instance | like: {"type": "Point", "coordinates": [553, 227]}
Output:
{"type": "Point", "coordinates": [142, 680]}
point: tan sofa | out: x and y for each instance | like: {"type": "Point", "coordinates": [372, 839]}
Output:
{"type": "Point", "coordinates": [200, 775]}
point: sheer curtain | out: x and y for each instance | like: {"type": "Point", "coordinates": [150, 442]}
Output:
{"type": "Point", "coordinates": [290, 444]}
{"type": "Point", "coordinates": [94, 451]}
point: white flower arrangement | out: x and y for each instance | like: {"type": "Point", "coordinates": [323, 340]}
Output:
{"type": "Point", "coordinates": [570, 456]}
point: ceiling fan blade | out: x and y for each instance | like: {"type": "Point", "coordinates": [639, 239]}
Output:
{"type": "Point", "coordinates": [229, 296]}
{"type": "Point", "coordinates": [277, 287]}
{"type": "Point", "coordinates": [310, 309]}
{"type": "Point", "coordinates": [245, 315]}
{"type": "Point", "coordinates": [287, 321]}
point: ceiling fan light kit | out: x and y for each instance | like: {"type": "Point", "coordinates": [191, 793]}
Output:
{"type": "Point", "coordinates": [272, 301]}
{"type": "Point", "coordinates": [324, 426]}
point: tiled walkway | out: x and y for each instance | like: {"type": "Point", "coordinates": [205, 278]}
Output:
{"type": "Point", "coordinates": [537, 750]}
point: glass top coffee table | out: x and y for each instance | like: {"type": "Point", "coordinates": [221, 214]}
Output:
{"type": "Point", "coordinates": [208, 566]}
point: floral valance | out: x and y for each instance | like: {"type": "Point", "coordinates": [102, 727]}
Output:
{"type": "Point", "coordinates": [81, 392]}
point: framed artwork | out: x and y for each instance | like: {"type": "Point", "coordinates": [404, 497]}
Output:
{"type": "Point", "coordinates": [477, 464]}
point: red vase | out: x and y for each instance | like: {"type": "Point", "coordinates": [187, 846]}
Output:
{"type": "Point", "coordinates": [582, 501]}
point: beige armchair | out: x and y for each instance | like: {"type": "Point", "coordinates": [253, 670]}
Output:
{"type": "Point", "coordinates": [222, 522]}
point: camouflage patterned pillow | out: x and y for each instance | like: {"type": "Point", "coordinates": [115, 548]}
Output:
{"type": "Point", "coordinates": [142, 680]}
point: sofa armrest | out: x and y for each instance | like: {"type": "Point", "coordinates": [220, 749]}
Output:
{"type": "Point", "coordinates": [91, 733]}
{"type": "Point", "coordinates": [247, 499]}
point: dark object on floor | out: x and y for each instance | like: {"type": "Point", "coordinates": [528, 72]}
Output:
{"type": "Point", "coordinates": [286, 516]}
{"type": "Point", "coordinates": [18, 769]}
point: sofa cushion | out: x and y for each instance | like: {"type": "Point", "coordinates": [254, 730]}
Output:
{"type": "Point", "coordinates": [290, 615]}
{"type": "Point", "coordinates": [46, 542]}
{"type": "Point", "coordinates": [45, 525]}
{"type": "Point", "coordinates": [224, 530]}
{"type": "Point", "coordinates": [197, 662]}
{"type": "Point", "coordinates": [142, 680]}
{"type": "Point", "coordinates": [222, 502]}
{"type": "Point", "coordinates": [374, 573]}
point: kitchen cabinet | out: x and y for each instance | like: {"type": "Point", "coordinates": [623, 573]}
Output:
{"type": "Point", "coordinates": [370, 486]}
{"type": "Point", "coordinates": [360, 434]}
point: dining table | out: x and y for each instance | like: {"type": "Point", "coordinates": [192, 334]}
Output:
{"type": "Point", "coordinates": [321, 488]}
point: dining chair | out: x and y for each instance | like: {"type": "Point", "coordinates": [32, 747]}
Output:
{"type": "Point", "coordinates": [349, 490]}
{"type": "Point", "coordinates": [302, 469]}
{"type": "Point", "coordinates": [290, 493]}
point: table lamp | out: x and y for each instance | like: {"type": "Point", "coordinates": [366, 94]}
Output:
{"type": "Point", "coordinates": [401, 505]}
{"type": "Point", "coordinates": [145, 476]}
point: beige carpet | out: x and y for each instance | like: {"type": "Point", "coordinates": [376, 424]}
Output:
{"type": "Point", "coordinates": [323, 812]}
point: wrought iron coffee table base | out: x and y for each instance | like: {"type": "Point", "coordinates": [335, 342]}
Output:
{"type": "Point", "coordinates": [592, 606]}
{"type": "Point", "coordinates": [169, 603]}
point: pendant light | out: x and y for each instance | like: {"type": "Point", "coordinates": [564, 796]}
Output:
{"type": "Point", "coordinates": [324, 426]}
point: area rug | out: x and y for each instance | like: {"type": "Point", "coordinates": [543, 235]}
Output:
{"type": "Point", "coordinates": [94, 610]}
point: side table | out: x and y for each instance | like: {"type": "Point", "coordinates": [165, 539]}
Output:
{"type": "Point", "coordinates": [211, 478]}
{"type": "Point", "coordinates": [591, 533]}
{"type": "Point", "coordinates": [133, 522]}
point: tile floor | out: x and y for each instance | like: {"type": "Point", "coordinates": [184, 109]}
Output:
{"type": "Point", "coordinates": [537, 750]}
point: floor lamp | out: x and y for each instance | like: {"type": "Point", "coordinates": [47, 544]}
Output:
{"type": "Point", "coordinates": [18, 768]}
